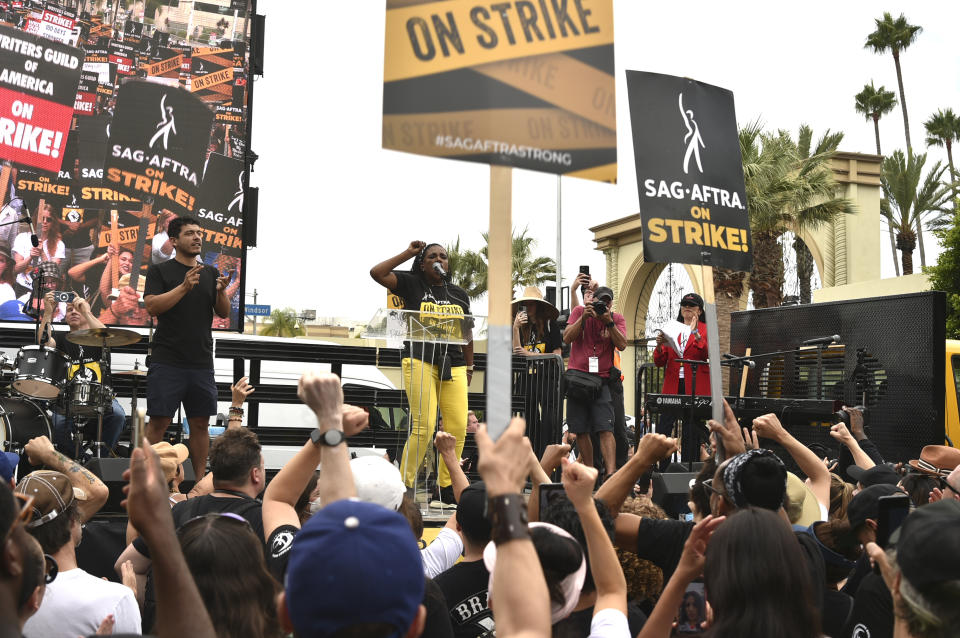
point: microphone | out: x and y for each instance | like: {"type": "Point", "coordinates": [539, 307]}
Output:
{"type": "Point", "coordinates": [822, 341]}
{"type": "Point", "coordinates": [33, 231]}
{"type": "Point", "coordinates": [437, 268]}
{"type": "Point", "coordinates": [750, 363]}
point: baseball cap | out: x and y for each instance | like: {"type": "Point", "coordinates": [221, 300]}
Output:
{"type": "Point", "coordinates": [470, 512]}
{"type": "Point", "coordinates": [378, 481]}
{"type": "Point", "coordinates": [353, 562]}
{"type": "Point", "coordinates": [692, 298]}
{"type": "Point", "coordinates": [171, 456]}
{"type": "Point", "coordinates": [8, 465]}
{"type": "Point", "coordinates": [866, 504]}
{"type": "Point", "coordinates": [881, 474]}
{"type": "Point", "coordinates": [928, 544]}
{"type": "Point", "coordinates": [602, 292]}
{"type": "Point", "coordinates": [52, 494]}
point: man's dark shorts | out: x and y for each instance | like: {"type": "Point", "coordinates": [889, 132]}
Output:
{"type": "Point", "coordinates": [591, 416]}
{"type": "Point", "coordinates": [168, 386]}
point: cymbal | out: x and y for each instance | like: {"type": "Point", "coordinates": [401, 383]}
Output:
{"type": "Point", "coordinates": [130, 373]}
{"type": "Point", "coordinates": [110, 337]}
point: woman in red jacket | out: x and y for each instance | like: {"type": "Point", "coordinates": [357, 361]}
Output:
{"type": "Point", "coordinates": [677, 377]}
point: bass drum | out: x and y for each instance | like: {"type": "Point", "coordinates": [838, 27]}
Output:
{"type": "Point", "coordinates": [21, 420]}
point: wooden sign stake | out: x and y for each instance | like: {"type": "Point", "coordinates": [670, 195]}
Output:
{"type": "Point", "coordinates": [500, 294]}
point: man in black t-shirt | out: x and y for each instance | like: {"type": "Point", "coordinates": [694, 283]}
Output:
{"type": "Point", "coordinates": [465, 584]}
{"type": "Point", "coordinates": [183, 294]}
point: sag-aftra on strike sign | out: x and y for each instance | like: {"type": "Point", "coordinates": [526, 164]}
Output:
{"type": "Point", "coordinates": [38, 86]}
{"type": "Point", "coordinates": [527, 84]}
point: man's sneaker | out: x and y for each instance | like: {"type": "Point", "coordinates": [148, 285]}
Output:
{"type": "Point", "coordinates": [446, 499]}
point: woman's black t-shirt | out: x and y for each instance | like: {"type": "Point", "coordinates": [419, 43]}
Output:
{"type": "Point", "coordinates": [442, 308]}
{"type": "Point", "coordinates": [547, 342]}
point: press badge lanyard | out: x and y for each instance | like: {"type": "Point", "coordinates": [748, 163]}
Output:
{"type": "Point", "coordinates": [593, 363]}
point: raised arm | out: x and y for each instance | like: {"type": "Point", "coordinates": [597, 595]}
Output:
{"type": "Point", "coordinates": [178, 611]}
{"type": "Point", "coordinates": [769, 426]}
{"type": "Point", "coordinates": [382, 273]}
{"type": "Point", "coordinates": [578, 480]}
{"type": "Point", "coordinates": [49, 303]}
{"type": "Point", "coordinates": [618, 487]}
{"type": "Point", "coordinates": [40, 451]}
{"type": "Point", "coordinates": [84, 309]}
{"type": "Point", "coordinates": [520, 591]}
{"type": "Point", "coordinates": [446, 445]}
{"type": "Point", "coordinates": [842, 434]}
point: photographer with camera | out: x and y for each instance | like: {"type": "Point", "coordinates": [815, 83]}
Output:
{"type": "Point", "coordinates": [593, 332]}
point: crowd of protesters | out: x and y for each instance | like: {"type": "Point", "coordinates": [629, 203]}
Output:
{"type": "Point", "coordinates": [338, 552]}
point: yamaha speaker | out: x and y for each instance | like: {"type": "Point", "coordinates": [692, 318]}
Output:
{"type": "Point", "coordinates": [670, 491]}
{"type": "Point", "coordinates": [110, 471]}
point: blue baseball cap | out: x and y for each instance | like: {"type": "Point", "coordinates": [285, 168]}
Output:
{"type": "Point", "coordinates": [353, 562]}
{"type": "Point", "coordinates": [8, 465]}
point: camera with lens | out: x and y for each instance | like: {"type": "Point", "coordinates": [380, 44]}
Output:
{"type": "Point", "coordinates": [600, 307]}
{"type": "Point", "coordinates": [842, 416]}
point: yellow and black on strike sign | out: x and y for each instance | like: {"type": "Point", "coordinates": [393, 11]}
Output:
{"type": "Point", "coordinates": [523, 83]}
{"type": "Point", "coordinates": [689, 172]}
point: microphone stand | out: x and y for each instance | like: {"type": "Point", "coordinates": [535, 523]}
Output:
{"type": "Point", "coordinates": [688, 442]}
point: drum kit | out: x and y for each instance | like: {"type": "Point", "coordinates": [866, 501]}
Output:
{"type": "Point", "coordinates": [40, 380]}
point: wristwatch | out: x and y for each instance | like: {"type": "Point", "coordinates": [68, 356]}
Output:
{"type": "Point", "coordinates": [611, 324]}
{"type": "Point", "coordinates": [330, 438]}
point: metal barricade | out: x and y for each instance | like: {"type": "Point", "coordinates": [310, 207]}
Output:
{"type": "Point", "coordinates": [540, 386]}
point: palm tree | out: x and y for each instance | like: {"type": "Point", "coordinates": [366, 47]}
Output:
{"type": "Point", "coordinates": [467, 270]}
{"type": "Point", "coordinates": [527, 270]}
{"type": "Point", "coordinates": [896, 36]}
{"type": "Point", "coordinates": [943, 128]}
{"type": "Point", "coordinates": [790, 186]}
{"type": "Point", "coordinates": [283, 323]}
{"type": "Point", "coordinates": [906, 201]}
{"type": "Point", "coordinates": [874, 103]}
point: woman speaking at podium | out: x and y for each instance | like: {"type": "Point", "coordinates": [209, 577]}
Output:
{"type": "Point", "coordinates": [677, 378]}
{"type": "Point", "coordinates": [433, 373]}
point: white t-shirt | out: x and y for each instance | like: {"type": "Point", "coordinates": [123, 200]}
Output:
{"type": "Point", "coordinates": [608, 623]}
{"type": "Point", "coordinates": [7, 293]}
{"type": "Point", "coordinates": [22, 247]}
{"type": "Point", "coordinates": [442, 553]}
{"type": "Point", "coordinates": [76, 603]}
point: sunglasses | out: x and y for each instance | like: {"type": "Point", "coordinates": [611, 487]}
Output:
{"type": "Point", "coordinates": [709, 485]}
{"type": "Point", "coordinates": [949, 487]}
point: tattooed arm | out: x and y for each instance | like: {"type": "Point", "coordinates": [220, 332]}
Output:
{"type": "Point", "coordinates": [40, 451]}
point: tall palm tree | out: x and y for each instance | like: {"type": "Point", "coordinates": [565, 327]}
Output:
{"type": "Point", "coordinates": [283, 323]}
{"type": "Point", "coordinates": [874, 103]}
{"type": "Point", "coordinates": [908, 197]}
{"type": "Point", "coordinates": [943, 129]}
{"type": "Point", "coordinates": [790, 186]}
{"type": "Point", "coordinates": [896, 36]}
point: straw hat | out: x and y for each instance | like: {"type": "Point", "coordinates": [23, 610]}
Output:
{"type": "Point", "coordinates": [532, 293]}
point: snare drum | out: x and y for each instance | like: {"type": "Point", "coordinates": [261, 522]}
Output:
{"type": "Point", "coordinates": [41, 372]}
{"type": "Point", "coordinates": [21, 420]}
{"type": "Point", "coordinates": [82, 396]}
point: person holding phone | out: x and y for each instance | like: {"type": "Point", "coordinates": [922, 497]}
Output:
{"type": "Point", "coordinates": [184, 294]}
{"type": "Point", "coordinates": [86, 364]}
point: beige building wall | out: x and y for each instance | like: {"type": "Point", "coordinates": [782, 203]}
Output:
{"type": "Point", "coordinates": [847, 254]}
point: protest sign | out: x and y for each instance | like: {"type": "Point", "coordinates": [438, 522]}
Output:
{"type": "Point", "coordinates": [689, 171]}
{"type": "Point", "coordinates": [212, 74]}
{"type": "Point", "coordinates": [158, 139]}
{"type": "Point", "coordinates": [220, 204]}
{"type": "Point", "coordinates": [528, 85]}
{"type": "Point", "coordinates": [38, 87]}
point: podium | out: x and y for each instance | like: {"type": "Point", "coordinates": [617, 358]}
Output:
{"type": "Point", "coordinates": [427, 336]}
